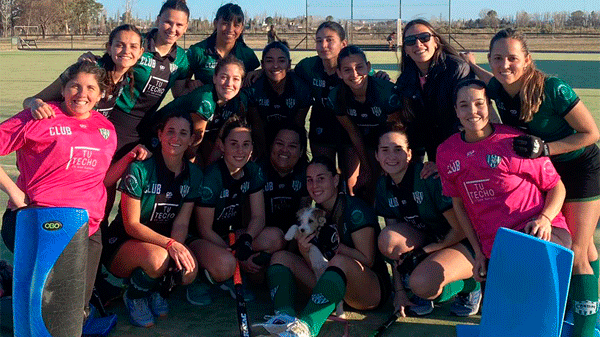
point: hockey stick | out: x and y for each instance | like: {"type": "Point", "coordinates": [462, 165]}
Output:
{"type": "Point", "coordinates": [239, 294]}
{"type": "Point", "coordinates": [383, 327]}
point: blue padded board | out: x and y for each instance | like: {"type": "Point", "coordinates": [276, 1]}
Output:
{"type": "Point", "coordinates": [51, 246]}
{"type": "Point", "coordinates": [526, 289]}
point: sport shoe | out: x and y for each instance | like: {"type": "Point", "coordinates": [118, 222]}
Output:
{"type": "Point", "coordinates": [422, 307]}
{"type": "Point", "coordinates": [296, 329]}
{"type": "Point", "coordinates": [466, 305]}
{"type": "Point", "coordinates": [198, 293]}
{"type": "Point", "coordinates": [139, 311]}
{"type": "Point", "coordinates": [229, 286]}
{"type": "Point", "coordinates": [274, 324]}
{"type": "Point", "coordinates": [158, 305]}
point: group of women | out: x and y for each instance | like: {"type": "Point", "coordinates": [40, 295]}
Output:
{"type": "Point", "coordinates": [230, 155]}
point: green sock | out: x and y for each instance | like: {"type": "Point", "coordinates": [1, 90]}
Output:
{"type": "Point", "coordinates": [595, 267]}
{"type": "Point", "coordinates": [449, 291]}
{"type": "Point", "coordinates": [470, 286]}
{"type": "Point", "coordinates": [282, 286]}
{"type": "Point", "coordinates": [585, 304]}
{"type": "Point", "coordinates": [140, 284]}
{"type": "Point", "coordinates": [328, 292]}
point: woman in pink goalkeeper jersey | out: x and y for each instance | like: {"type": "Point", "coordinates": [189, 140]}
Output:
{"type": "Point", "coordinates": [63, 160]}
{"type": "Point", "coordinates": [491, 186]}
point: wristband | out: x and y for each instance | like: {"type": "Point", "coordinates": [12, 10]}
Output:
{"type": "Point", "coordinates": [545, 216]}
{"type": "Point", "coordinates": [169, 244]}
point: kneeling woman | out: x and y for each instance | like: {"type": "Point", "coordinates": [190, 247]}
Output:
{"type": "Point", "coordinates": [421, 226]}
{"type": "Point", "coordinates": [232, 200]}
{"type": "Point", "coordinates": [491, 186]}
{"type": "Point", "coordinates": [356, 273]}
{"type": "Point", "coordinates": [157, 199]}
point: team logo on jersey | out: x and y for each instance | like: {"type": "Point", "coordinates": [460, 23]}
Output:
{"type": "Point", "coordinates": [357, 217]}
{"type": "Point", "coordinates": [161, 67]}
{"type": "Point", "coordinates": [105, 133]}
{"type": "Point", "coordinates": [296, 185]}
{"type": "Point", "coordinates": [514, 112]}
{"type": "Point", "coordinates": [169, 195]}
{"type": "Point", "coordinates": [418, 196]}
{"type": "Point", "coordinates": [173, 67]}
{"type": "Point", "coordinates": [352, 112]}
{"type": "Point", "coordinates": [493, 160]}
{"type": "Point", "coordinates": [394, 101]}
{"type": "Point", "coordinates": [245, 187]}
{"type": "Point", "coordinates": [290, 102]}
{"type": "Point", "coordinates": [470, 153]}
{"type": "Point", "coordinates": [206, 106]}
{"type": "Point", "coordinates": [500, 105]}
{"type": "Point", "coordinates": [207, 193]}
{"type": "Point", "coordinates": [376, 111]}
{"type": "Point", "coordinates": [184, 190]}
{"type": "Point", "coordinates": [131, 184]}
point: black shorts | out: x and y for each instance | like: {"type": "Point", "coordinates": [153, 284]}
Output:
{"type": "Point", "coordinates": [325, 129]}
{"type": "Point", "coordinates": [113, 237]}
{"type": "Point", "coordinates": [581, 175]}
{"type": "Point", "coordinates": [385, 288]}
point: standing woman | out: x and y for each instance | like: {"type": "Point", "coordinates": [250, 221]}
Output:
{"type": "Point", "coordinates": [277, 97]}
{"type": "Point", "coordinates": [226, 39]}
{"type": "Point", "coordinates": [123, 50]}
{"type": "Point", "coordinates": [430, 70]}
{"type": "Point", "coordinates": [560, 126]}
{"type": "Point", "coordinates": [356, 273]}
{"type": "Point", "coordinates": [362, 104]}
{"type": "Point", "coordinates": [210, 106]}
{"type": "Point", "coordinates": [421, 226]}
{"type": "Point", "coordinates": [148, 234]}
{"type": "Point", "coordinates": [326, 135]}
{"type": "Point", "coordinates": [232, 199]}
{"type": "Point", "coordinates": [62, 160]}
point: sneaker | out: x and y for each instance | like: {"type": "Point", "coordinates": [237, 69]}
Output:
{"type": "Point", "coordinates": [229, 286]}
{"type": "Point", "coordinates": [158, 305]}
{"type": "Point", "coordinates": [139, 311]}
{"type": "Point", "coordinates": [274, 324]}
{"type": "Point", "coordinates": [466, 305]}
{"type": "Point", "coordinates": [198, 293]}
{"type": "Point", "coordinates": [422, 307]}
{"type": "Point", "coordinates": [296, 329]}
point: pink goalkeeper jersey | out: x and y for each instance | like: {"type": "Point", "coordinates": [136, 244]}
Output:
{"type": "Point", "coordinates": [497, 187]}
{"type": "Point", "coordinates": [62, 160]}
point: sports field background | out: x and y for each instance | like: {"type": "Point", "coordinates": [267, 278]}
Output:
{"type": "Point", "coordinates": [24, 73]}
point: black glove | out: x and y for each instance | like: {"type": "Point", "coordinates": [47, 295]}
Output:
{"type": "Point", "coordinates": [529, 146]}
{"type": "Point", "coordinates": [243, 247]}
{"type": "Point", "coordinates": [411, 260]}
{"type": "Point", "coordinates": [170, 280]}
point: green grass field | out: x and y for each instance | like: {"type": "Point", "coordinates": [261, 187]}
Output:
{"type": "Point", "coordinates": [24, 73]}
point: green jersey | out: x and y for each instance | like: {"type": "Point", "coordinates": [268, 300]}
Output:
{"type": "Point", "coordinates": [203, 58]}
{"type": "Point", "coordinates": [549, 122]}
{"type": "Point", "coordinates": [201, 101]}
{"type": "Point", "coordinates": [227, 195]}
{"type": "Point", "coordinates": [369, 116]}
{"type": "Point", "coordinates": [415, 201]}
{"type": "Point", "coordinates": [160, 192]}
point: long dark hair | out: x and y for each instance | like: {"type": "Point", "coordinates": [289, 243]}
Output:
{"type": "Point", "coordinates": [233, 122]}
{"type": "Point", "coordinates": [107, 61]}
{"type": "Point", "coordinates": [532, 90]}
{"type": "Point", "coordinates": [343, 90]}
{"type": "Point", "coordinates": [443, 45]}
{"type": "Point", "coordinates": [336, 27]}
{"type": "Point", "coordinates": [232, 13]}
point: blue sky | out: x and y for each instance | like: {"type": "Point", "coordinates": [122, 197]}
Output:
{"type": "Point", "coordinates": [363, 9]}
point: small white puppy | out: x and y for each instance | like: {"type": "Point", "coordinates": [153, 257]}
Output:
{"type": "Point", "coordinates": [311, 220]}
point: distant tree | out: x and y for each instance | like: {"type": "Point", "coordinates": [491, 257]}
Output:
{"type": "Point", "coordinates": [595, 19]}
{"type": "Point", "coordinates": [329, 18]}
{"type": "Point", "coordinates": [83, 12]}
{"type": "Point", "coordinates": [522, 19]}
{"type": "Point", "coordinates": [44, 13]}
{"type": "Point", "coordinates": [577, 19]}
{"type": "Point", "coordinates": [6, 9]}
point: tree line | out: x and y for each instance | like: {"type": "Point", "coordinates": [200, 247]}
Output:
{"type": "Point", "coordinates": [90, 17]}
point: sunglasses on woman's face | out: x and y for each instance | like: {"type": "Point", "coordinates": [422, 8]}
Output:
{"type": "Point", "coordinates": [411, 40]}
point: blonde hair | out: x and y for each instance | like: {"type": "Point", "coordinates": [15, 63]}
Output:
{"type": "Point", "coordinates": [531, 93]}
